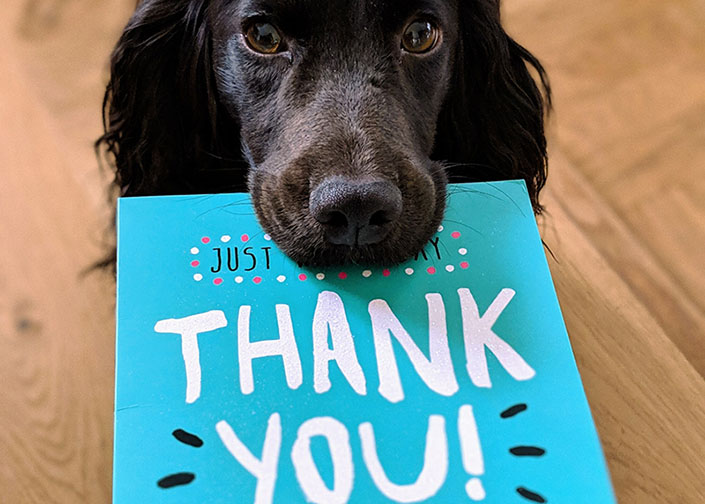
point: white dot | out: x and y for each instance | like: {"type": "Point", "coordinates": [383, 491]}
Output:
{"type": "Point", "coordinates": [463, 251]}
{"type": "Point", "coordinates": [409, 271]}
{"type": "Point", "coordinates": [367, 273]}
{"type": "Point", "coordinates": [239, 279]}
{"type": "Point", "coordinates": [225, 238]}
{"type": "Point", "coordinates": [440, 228]}
{"type": "Point", "coordinates": [475, 490]}
{"type": "Point", "coordinates": [198, 277]}
{"type": "Point", "coordinates": [320, 276]}
{"type": "Point", "coordinates": [450, 268]}
{"type": "Point", "coordinates": [267, 237]}
{"type": "Point", "coordinates": [281, 279]}
{"type": "Point", "coordinates": [195, 250]}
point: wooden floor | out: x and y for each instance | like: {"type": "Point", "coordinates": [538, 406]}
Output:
{"type": "Point", "coordinates": [626, 201]}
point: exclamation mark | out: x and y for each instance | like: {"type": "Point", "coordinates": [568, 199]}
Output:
{"type": "Point", "coordinates": [471, 451]}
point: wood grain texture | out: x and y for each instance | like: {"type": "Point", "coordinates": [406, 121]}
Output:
{"type": "Point", "coordinates": [647, 400]}
{"type": "Point", "coordinates": [626, 201]}
{"type": "Point", "coordinates": [629, 83]}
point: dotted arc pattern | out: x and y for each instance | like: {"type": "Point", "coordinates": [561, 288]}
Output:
{"type": "Point", "coordinates": [459, 261]}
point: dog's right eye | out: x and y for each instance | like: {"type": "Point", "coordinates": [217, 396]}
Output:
{"type": "Point", "coordinates": [420, 36]}
{"type": "Point", "coordinates": [263, 38]}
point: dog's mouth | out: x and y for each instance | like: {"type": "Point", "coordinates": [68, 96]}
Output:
{"type": "Point", "coordinates": [342, 220]}
{"type": "Point", "coordinates": [316, 252]}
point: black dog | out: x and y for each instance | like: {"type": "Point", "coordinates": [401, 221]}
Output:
{"type": "Point", "coordinates": [344, 118]}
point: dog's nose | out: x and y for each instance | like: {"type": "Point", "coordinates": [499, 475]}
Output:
{"type": "Point", "coordinates": [355, 212]}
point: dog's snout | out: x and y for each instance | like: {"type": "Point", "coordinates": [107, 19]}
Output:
{"type": "Point", "coordinates": [355, 212]}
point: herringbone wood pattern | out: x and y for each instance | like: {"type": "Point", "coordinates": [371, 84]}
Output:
{"type": "Point", "coordinates": [626, 202]}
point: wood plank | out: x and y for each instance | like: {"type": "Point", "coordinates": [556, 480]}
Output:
{"type": "Point", "coordinates": [672, 155]}
{"type": "Point", "coordinates": [55, 325]}
{"type": "Point", "coordinates": [629, 85]}
{"type": "Point", "coordinates": [677, 238]}
{"type": "Point", "coordinates": [626, 253]}
{"type": "Point", "coordinates": [621, 75]}
{"type": "Point", "coordinates": [646, 398]}
{"type": "Point", "coordinates": [62, 49]}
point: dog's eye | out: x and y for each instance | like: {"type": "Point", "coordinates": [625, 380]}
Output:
{"type": "Point", "coordinates": [263, 38]}
{"type": "Point", "coordinates": [419, 36]}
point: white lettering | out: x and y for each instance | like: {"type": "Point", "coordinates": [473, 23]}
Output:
{"type": "Point", "coordinates": [437, 372]}
{"type": "Point", "coordinates": [265, 470]}
{"type": "Point", "coordinates": [330, 314]}
{"type": "Point", "coordinates": [478, 334]}
{"type": "Point", "coordinates": [284, 346]}
{"type": "Point", "coordinates": [189, 328]}
{"type": "Point", "coordinates": [307, 473]}
{"type": "Point", "coordinates": [435, 466]}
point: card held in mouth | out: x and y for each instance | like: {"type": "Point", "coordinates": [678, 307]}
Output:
{"type": "Point", "coordinates": [243, 377]}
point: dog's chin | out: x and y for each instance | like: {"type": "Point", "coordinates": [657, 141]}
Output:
{"type": "Point", "coordinates": [365, 255]}
{"type": "Point", "coordinates": [315, 251]}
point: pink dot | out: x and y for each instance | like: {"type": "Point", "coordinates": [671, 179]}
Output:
{"type": "Point", "coordinates": [195, 264]}
{"type": "Point", "coordinates": [342, 275]}
{"type": "Point", "coordinates": [302, 277]}
{"type": "Point", "coordinates": [205, 239]}
{"type": "Point", "coordinates": [455, 234]}
{"type": "Point", "coordinates": [431, 270]}
{"type": "Point", "coordinates": [386, 272]}
{"type": "Point", "coordinates": [218, 281]}
{"type": "Point", "coordinates": [245, 238]}
{"type": "Point", "coordinates": [464, 265]}
{"type": "Point", "coordinates": [257, 280]}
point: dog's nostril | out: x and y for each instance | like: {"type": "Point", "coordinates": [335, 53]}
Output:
{"type": "Point", "coordinates": [335, 219]}
{"type": "Point", "coordinates": [379, 218]}
{"type": "Point", "coordinates": [355, 212]}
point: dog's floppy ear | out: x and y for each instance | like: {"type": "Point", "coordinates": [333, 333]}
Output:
{"type": "Point", "coordinates": [163, 122]}
{"type": "Point", "coordinates": [492, 125]}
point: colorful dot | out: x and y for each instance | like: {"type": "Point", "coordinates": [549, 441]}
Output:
{"type": "Point", "coordinates": [320, 276]}
{"type": "Point", "coordinates": [257, 280]}
{"type": "Point", "coordinates": [281, 279]}
{"type": "Point", "coordinates": [450, 268]}
{"type": "Point", "coordinates": [386, 272]}
{"type": "Point", "coordinates": [198, 277]}
{"type": "Point", "coordinates": [195, 264]}
{"type": "Point", "coordinates": [205, 239]}
{"type": "Point", "coordinates": [440, 229]}
{"type": "Point", "coordinates": [462, 251]}
{"type": "Point", "coordinates": [303, 277]}
{"type": "Point", "coordinates": [225, 238]}
{"type": "Point", "coordinates": [464, 265]}
{"type": "Point", "coordinates": [455, 234]}
{"type": "Point", "coordinates": [217, 281]}
{"type": "Point", "coordinates": [245, 238]}
{"type": "Point", "coordinates": [342, 275]}
{"type": "Point", "coordinates": [409, 271]}
{"type": "Point", "coordinates": [267, 237]}
{"type": "Point", "coordinates": [194, 251]}
{"type": "Point", "coordinates": [239, 279]}
{"type": "Point", "coordinates": [367, 273]}
{"type": "Point", "coordinates": [431, 270]}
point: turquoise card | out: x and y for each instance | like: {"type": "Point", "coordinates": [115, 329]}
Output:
{"type": "Point", "coordinates": [244, 378]}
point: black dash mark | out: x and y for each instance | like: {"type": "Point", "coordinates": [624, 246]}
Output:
{"type": "Point", "coordinates": [527, 451]}
{"type": "Point", "coordinates": [182, 478]}
{"type": "Point", "coordinates": [188, 438]}
{"type": "Point", "coordinates": [514, 411]}
{"type": "Point", "coordinates": [529, 495]}
{"type": "Point", "coordinates": [177, 479]}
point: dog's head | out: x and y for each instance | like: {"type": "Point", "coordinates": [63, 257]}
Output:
{"type": "Point", "coordinates": [343, 118]}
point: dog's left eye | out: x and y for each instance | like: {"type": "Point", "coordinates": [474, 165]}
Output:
{"type": "Point", "coordinates": [419, 36]}
{"type": "Point", "coordinates": [263, 38]}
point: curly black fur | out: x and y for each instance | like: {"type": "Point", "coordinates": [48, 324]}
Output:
{"type": "Point", "coordinates": [189, 110]}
